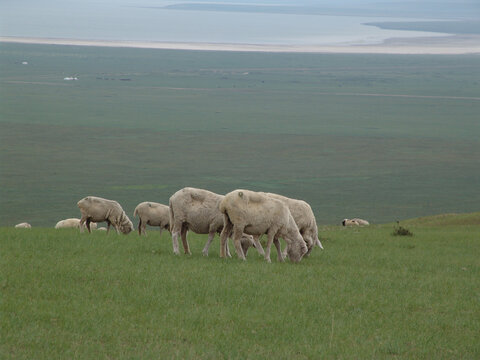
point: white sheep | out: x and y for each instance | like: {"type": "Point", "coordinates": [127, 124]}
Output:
{"type": "Point", "coordinates": [361, 221]}
{"type": "Point", "coordinates": [72, 223]}
{"type": "Point", "coordinates": [24, 225]}
{"type": "Point", "coordinates": [304, 218]}
{"type": "Point", "coordinates": [256, 214]}
{"type": "Point", "coordinates": [153, 214]}
{"type": "Point", "coordinates": [198, 210]}
{"type": "Point", "coordinates": [97, 209]}
{"type": "Point", "coordinates": [349, 222]}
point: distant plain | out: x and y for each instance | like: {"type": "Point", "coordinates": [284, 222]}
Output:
{"type": "Point", "coordinates": [383, 137]}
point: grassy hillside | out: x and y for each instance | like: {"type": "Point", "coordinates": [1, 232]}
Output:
{"type": "Point", "coordinates": [367, 295]}
{"type": "Point", "coordinates": [446, 220]}
{"type": "Point", "coordinates": [378, 137]}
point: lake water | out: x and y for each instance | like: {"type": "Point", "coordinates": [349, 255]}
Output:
{"type": "Point", "coordinates": [136, 20]}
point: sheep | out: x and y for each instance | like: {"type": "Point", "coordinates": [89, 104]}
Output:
{"type": "Point", "coordinates": [256, 213]}
{"type": "Point", "coordinates": [103, 228]}
{"type": "Point", "coordinates": [197, 210]}
{"type": "Point", "coordinates": [23, 225]}
{"type": "Point", "coordinates": [350, 222]}
{"type": "Point", "coordinates": [361, 221]}
{"type": "Point", "coordinates": [98, 209]}
{"type": "Point", "coordinates": [153, 214]}
{"type": "Point", "coordinates": [304, 218]}
{"type": "Point", "coordinates": [72, 223]}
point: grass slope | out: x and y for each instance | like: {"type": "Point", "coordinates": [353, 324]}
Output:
{"type": "Point", "coordinates": [367, 295]}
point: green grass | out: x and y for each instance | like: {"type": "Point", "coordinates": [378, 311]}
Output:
{"type": "Point", "coordinates": [367, 295]}
{"type": "Point", "coordinates": [381, 137]}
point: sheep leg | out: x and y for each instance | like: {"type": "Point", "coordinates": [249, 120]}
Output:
{"type": "Point", "coordinates": [88, 225]}
{"type": "Point", "coordinates": [161, 231]}
{"type": "Point", "coordinates": [237, 241]}
{"type": "Point", "coordinates": [319, 244]}
{"type": "Point", "coordinates": [186, 248]}
{"type": "Point", "coordinates": [280, 255]}
{"type": "Point", "coordinates": [270, 235]}
{"type": "Point", "coordinates": [258, 245]}
{"type": "Point", "coordinates": [227, 229]}
{"type": "Point", "coordinates": [82, 221]}
{"type": "Point", "coordinates": [108, 226]}
{"type": "Point", "coordinates": [211, 235]}
{"type": "Point", "coordinates": [140, 227]}
{"type": "Point", "coordinates": [175, 242]}
{"type": "Point", "coordinates": [176, 229]}
{"type": "Point", "coordinates": [228, 249]}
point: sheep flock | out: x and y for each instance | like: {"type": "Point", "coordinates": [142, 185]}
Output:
{"type": "Point", "coordinates": [242, 215]}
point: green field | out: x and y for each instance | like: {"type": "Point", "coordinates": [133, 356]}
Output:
{"type": "Point", "coordinates": [368, 295]}
{"type": "Point", "coordinates": [382, 137]}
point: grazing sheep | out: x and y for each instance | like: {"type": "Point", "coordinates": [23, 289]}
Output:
{"type": "Point", "coordinates": [361, 221]}
{"type": "Point", "coordinates": [23, 225]}
{"type": "Point", "coordinates": [197, 210]}
{"type": "Point", "coordinates": [72, 223]}
{"type": "Point", "coordinates": [349, 222]}
{"type": "Point", "coordinates": [304, 218]}
{"type": "Point", "coordinates": [153, 214]}
{"type": "Point", "coordinates": [97, 209]}
{"type": "Point", "coordinates": [256, 213]}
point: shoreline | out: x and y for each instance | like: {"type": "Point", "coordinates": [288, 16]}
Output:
{"type": "Point", "coordinates": [444, 45]}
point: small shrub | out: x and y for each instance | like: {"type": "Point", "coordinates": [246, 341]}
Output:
{"type": "Point", "coordinates": [401, 231]}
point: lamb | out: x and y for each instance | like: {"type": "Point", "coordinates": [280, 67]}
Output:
{"type": "Point", "coordinates": [72, 223]}
{"type": "Point", "coordinates": [24, 225]}
{"type": "Point", "coordinates": [98, 209]}
{"type": "Point", "coordinates": [153, 214]}
{"type": "Point", "coordinates": [197, 210]}
{"type": "Point", "coordinates": [304, 218]}
{"type": "Point", "coordinates": [256, 213]}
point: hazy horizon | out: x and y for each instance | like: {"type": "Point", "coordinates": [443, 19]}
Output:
{"type": "Point", "coordinates": [228, 21]}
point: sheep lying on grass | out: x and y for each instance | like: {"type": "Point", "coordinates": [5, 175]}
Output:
{"type": "Point", "coordinates": [72, 223]}
{"type": "Point", "coordinates": [23, 225]}
{"type": "Point", "coordinates": [354, 222]}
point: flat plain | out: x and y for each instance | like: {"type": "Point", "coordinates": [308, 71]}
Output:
{"type": "Point", "coordinates": [382, 137]}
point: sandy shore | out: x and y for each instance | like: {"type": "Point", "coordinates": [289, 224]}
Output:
{"type": "Point", "coordinates": [447, 45]}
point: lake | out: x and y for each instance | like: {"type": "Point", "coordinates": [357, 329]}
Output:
{"type": "Point", "coordinates": [149, 20]}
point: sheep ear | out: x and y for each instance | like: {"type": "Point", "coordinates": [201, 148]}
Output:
{"type": "Point", "coordinates": [240, 193]}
